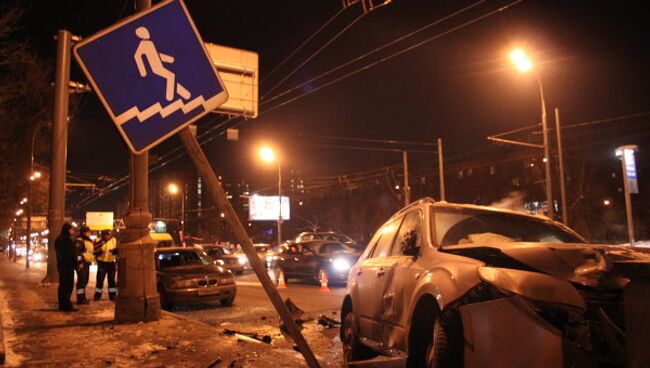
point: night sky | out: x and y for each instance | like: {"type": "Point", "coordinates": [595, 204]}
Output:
{"type": "Point", "coordinates": [592, 58]}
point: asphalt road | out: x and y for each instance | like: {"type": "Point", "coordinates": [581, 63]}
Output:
{"type": "Point", "coordinates": [252, 312]}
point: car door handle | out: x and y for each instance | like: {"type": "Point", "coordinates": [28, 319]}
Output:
{"type": "Point", "coordinates": [381, 273]}
{"type": "Point", "coordinates": [359, 273]}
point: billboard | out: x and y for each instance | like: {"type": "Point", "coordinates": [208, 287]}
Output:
{"type": "Point", "coordinates": [99, 220]}
{"type": "Point", "coordinates": [630, 170]}
{"type": "Point", "coordinates": [266, 208]}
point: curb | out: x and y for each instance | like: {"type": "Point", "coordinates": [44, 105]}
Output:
{"type": "Point", "coordinates": [2, 344]}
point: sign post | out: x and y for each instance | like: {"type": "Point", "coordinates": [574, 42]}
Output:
{"type": "Point", "coordinates": [630, 184]}
{"type": "Point", "coordinates": [154, 77]}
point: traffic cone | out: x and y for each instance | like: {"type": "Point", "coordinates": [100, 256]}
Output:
{"type": "Point", "coordinates": [281, 283]}
{"type": "Point", "coordinates": [323, 282]}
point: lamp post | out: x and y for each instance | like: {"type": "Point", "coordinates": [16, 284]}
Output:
{"type": "Point", "coordinates": [174, 189]}
{"type": "Point", "coordinates": [523, 63]}
{"type": "Point", "coordinates": [630, 185]}
{"type": "Point", "coordinates": [268, 155]}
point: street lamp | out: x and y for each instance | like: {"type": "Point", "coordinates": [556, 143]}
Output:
{"type": "Point", "coordinates": [523, 64]}
{"type": "Point", "coordinates": [174, 189]}
{"type": "Point", "coordinates": [268, 155]}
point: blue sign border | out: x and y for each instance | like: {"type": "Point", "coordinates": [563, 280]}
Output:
{"type": "Point", "coordinates": [220, 98]}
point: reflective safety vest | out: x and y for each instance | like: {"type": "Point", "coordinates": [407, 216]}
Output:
{"type": "Point", "coordinates": [107, 251]}
{"type": "Point", "coordinates": [85, 250]}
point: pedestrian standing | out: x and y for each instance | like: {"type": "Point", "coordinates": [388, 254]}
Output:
{"type": "Point", "coordinates": [105, 251]}
{"type": "Point", "coordinates": [85, 258]}
{"type": "Point", "coordinates": [66, 263]}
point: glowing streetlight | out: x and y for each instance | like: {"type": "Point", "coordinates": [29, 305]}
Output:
{"type": "Point", "coordinates": [174, 189]}
{"type": "Point", "coordinates": [521, 60]}
{"type": "Point", "coordinates": [267, 155]}
{"type": "Point", "coordinates": [606, 202]}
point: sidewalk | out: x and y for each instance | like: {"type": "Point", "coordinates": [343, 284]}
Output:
{"type": "Point", "coordinates": [36, 334]}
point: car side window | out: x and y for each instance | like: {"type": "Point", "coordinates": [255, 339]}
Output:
{"type": "Point", "coordinates": [411, 227]}
{"type": "Point", "coordinates": [386, 240]}
{"type": "Point", "coordinates": [306, 250]}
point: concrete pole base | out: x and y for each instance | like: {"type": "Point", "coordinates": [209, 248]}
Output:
{"type": "Point", "coordinates": [132, 310]}
{"type": "Point", "coordinates": [137, 295]}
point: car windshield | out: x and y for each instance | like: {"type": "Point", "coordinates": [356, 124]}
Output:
{"type": "Point", "coordinates": [326, 236]}
{"type": "Point", "coordinates": [180, 259]}
{"type": "Point", "coordinates": [466, 226]}
{"type": "Point", "coordinates": [332, 248]}
{"type": "Point", "coordinates": [217, 252]}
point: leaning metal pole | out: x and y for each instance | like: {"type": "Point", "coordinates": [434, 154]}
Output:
{"type": "Point", "coordinates": [137, 296]}
{"type": "Point", "coordinates": [58, 153]}
{"type": "Point", "coordinates": [221, 201]}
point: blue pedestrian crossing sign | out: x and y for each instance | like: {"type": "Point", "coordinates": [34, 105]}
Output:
{"type": "Point", "coordinates": [152, 73]}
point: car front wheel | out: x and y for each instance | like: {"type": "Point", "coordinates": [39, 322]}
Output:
{"type": "Point", "coordinates": [440, 352]}
{"type": "Point", "coordinates": [164, 300]}
{"type": "Point", "coordinates": [353, 349]}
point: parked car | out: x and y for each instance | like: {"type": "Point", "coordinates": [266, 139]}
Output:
{"type": "Point", "coordinates": [332, 236]}
{"type": "Point", "coordinates": [448, 285]}
{"type": "Point", "coordinates": [315, 259]}
{"type": "Point", "coordinates": [187, 275]}
{"type": "Point", "coordinates": [225, 257]}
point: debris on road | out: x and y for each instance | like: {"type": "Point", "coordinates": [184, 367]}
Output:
{"type": "Point", "coordinates": [328, 322]}
{"type": "Point", "coordinates": [249, 336]}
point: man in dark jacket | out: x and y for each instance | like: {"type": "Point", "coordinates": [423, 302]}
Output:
{"type": "Point", "coordinates": [66, 261]}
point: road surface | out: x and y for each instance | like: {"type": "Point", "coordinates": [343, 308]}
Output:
{"type": "Point", "coordinates": [253, 312]}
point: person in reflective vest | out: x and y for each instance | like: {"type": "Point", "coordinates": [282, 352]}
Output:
{"type": "Point", "coordinates": [105, 251]}
{"type": "Point", "coordinates": [85, 258]}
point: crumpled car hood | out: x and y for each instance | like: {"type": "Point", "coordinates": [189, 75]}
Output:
{"type": "Point", "coordinates": [585, 264]}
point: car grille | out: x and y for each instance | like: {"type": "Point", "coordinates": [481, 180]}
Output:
{"type": "Point", "coordinates": [205, 283]}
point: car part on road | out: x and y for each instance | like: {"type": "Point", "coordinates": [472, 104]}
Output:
{"type": "Point", "coordinates": [328, 322]}
{"type": "Point", "coordinates": [248, 336]}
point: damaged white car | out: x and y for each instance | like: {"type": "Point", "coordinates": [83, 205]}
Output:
{"type": "Point", "coordinates": [447, 285]}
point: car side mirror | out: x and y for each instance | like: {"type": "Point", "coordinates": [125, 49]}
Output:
{"type": "Point", "coordinates": [410, 245]}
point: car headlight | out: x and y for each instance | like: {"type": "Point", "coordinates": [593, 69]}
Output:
{"type": "Point", "coordinates": [179, 284]}
{"type": "Point", "coordinates": [227, 279]}
{"type": "Point", "coordinates": [340, 264]}
{"type": "Point", "coordinates": [220, 262]}
{"type": "Point", "coordinates": [242, 259]}
{"type": "Point", "coordinates": [532, 285]}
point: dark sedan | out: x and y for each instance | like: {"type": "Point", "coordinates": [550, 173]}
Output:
{"type": "Point", "coordinates": [316, 259]}
{"type": "Point", "coordinates": [226, 258]}
{"type": "Point", "coordinates": [187, 275]}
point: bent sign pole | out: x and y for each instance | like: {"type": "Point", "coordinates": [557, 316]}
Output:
{"type": "Point", "coordinates": [221, 201]}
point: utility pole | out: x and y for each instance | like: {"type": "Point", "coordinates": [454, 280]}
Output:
{"type": "Point", "coordinates": [137, 297]}
{"type": "Point", "coordinates": [58, 153]}
{"type": "Point", "coordinates": [441, 171]}
{"type": "Point", "coordinates": [547, 156]}
{"type": "Point", "coordinates": [407, 189]}
{"type": "Point", "coordinates": [560, 159]}
{"type": "Point", "coordinates": [280, 203]}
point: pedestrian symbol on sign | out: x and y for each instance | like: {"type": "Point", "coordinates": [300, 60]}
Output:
{"type": "Point", "coordinates": [152, 73]}
{"type": "Point", "coordinates": [147, 51]}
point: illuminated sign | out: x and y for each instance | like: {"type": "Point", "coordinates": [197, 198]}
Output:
{"type": "Point", "coordinates": [630, 170]}
{"type": "Point", "coordinates": [99, 220]}
{"type": "Point", "coordinates": [267, 208]}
